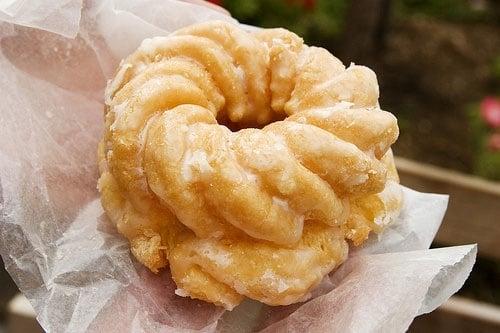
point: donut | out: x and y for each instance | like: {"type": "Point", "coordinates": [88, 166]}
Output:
{"type": "Point", "coordinates": [245, 162]}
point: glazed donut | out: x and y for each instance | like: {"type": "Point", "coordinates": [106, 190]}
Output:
{"type": "Point", "coordinates": [245, 161]}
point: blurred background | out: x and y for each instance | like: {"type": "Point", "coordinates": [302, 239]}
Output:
{"type": "Point", "coordinates": [438, 66]}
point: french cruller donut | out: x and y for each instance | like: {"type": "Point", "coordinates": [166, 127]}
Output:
{"type": "Point", "coordinates": [245, 161]}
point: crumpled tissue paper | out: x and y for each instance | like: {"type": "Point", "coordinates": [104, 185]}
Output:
{"type": "Point", "coordinates": [70, 262]}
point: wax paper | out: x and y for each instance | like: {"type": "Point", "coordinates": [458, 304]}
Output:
{"type": "Point", "coordinates": [59, 16]}
{"type": "Point", "coordinates": [68, 259]}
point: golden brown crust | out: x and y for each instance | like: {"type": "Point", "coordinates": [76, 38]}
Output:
{"type": "Point", "coordinates": [262, 213]}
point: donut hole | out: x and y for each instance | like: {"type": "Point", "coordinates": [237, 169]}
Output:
{"type": "Point", "coordinates": [236, 126]}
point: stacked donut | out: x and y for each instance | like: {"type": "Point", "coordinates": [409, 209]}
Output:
{"type": "Point", "coordinates": [264, 211]}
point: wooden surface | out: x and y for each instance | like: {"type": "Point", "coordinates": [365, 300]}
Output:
{"type": "Point", "coordinates": [459, 315]}
{"type": "Point", "coordinates": [473, 214]}
{"type": "Point", "coordinates": [21, 317]}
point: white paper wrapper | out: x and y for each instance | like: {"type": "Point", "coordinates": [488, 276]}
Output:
{"type": "Point", "coordinates": [70, 262]}
{"type": "Point", "coordinates": [59, 16]}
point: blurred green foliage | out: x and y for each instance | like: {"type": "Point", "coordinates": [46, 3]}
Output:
{"type": "Point", "coordinates": [486, 161]}
{"type": "Point", "coordinates": [324, 18]}
{"type": "Point", "coordinates": [318, 21]}
{"type": "Point", "coordinates": [315, 21]}
{"type": "Point", "coordinates": [452, 10]}
{"type": "Point", "coordinates": [495, 68]}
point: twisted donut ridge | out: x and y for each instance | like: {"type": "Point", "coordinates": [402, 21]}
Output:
{"type": "Point", "coordinates": [261, 211]}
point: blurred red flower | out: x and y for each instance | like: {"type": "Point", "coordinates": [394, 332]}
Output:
{"type": "Point", "coordinates": [494, 142]}
{"type": "Point", "coordinates": [490, 111]}
{"type": "Point", "coordinates": [307, 4]}
{"type": "Point", "coordinates": [216, 2]}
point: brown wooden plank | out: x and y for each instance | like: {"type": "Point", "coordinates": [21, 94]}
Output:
{"type": "Point", "coordinates": [21, 316]}
{"type": "Point", "coordinates": [459, 315]}
{"type": "Point", "coordinates": [473, 214]}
